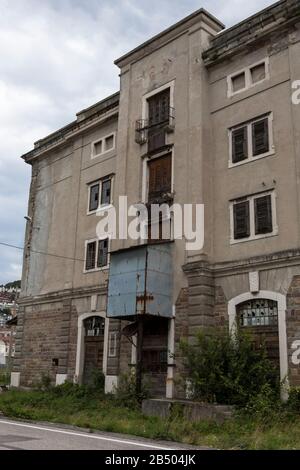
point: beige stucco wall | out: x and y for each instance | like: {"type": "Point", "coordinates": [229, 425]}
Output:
{"type": "Point", "coordinates": [273, 172]}
{"type": "Point", "coordinates": [59, 205]}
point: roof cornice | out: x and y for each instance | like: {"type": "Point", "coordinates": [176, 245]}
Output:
{"type": "Point", "coordinates": [97, 114]}
{"type": "Point", "coordinates": [278, 16]}
{"type": "Point", "coordinates": [212, 23]}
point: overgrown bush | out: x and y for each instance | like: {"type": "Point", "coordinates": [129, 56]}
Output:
{"type": "Point", "coordinates": [228, 370]}
{"type": "Point", "coordinates": [125, 393]}
{"type": "Point", "coordinates": [4, 376]}
{"type": "Point", "coordinates": [293, 403]}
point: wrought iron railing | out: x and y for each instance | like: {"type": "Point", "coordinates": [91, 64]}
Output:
{"type": "Point", "coordinates": [146, 129]}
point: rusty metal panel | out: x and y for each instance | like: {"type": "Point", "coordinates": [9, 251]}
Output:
{"type": "Point", "coordinates": [140, 282]}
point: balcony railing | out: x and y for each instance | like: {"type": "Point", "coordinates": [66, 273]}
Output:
{"type": "Point", "coordinates": [148, 129]}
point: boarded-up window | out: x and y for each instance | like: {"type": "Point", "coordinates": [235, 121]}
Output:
{"type": "Point", "coordinates": [239, 144]}
{"type": "Point", "coordinates": [112, 344]}
{"type": "Point", "coordinates": [159, 115]}
{"type": "Point", "coordinates": [106, 192]}
{"type": "Point", "coordinates": [160, 176]}
{"type": "Point", "coordinates": [238, 82]}
{"type": "Point", "coordinates": [94, 197]}
{"type": "Point", "coordinates": [258, 73]}
{"type": "Point", "coordinates": [109, 142]}
{"type": "Point", "coordinates": [98, 148]}
{"type": "Point", "coordinates": [102, 260]}
{"type": "Point", "coordinates": [263, 215]}
{"type": "Point", "coordinates": [90, 256]}
{"type": "Point", "coordinates": [159, 108]}
{"type": "Point", "coordinates": [241, 218]}
{"type": "Point", "coordinates": [260, 137]}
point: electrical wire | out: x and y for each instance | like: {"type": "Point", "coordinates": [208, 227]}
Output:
{"type": "Point", "coordinates": [41, 252]}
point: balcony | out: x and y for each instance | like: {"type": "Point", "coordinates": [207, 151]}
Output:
{"type": "Point", "coordinates": [153, 131]}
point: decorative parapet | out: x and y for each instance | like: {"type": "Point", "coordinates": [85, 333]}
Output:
{"type": "Point", "coordinates": [278, 16]}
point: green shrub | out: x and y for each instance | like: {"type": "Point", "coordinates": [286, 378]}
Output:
{"type": "Point", "coordinates": [293, 403]}
{"type": "Point", "coordinates": [4, 377]}
{"type": "Point", "coordinates": [97, 380]}
{"type": "Point", "coordinates": [226, 370]}
{"type": "Point", "coordinates": [125, 392]}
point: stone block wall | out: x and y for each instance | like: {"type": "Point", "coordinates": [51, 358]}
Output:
{"type": "Point", "coordinates": [293, 328]}
{"type": "Point", "coordinates": [46, 332]}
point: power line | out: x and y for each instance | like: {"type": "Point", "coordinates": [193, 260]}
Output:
{"type": "Point", "coordinates": [40, 252]}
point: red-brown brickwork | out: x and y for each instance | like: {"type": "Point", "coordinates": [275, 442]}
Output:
{"type": "Point", "coordinates": [293, 327]}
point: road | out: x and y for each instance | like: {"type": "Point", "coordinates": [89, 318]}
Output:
{"type": "Point", "coordinates": [16, 435]}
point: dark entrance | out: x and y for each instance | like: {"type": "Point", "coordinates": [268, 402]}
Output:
{"type": "Point", "coordinates": [93, 347]}
{"type": "Point", "coordinates": [155, 355]}
{"type": "Point", "coordinates": [260, 318]}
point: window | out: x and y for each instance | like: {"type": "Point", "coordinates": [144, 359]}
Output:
{"type": "Point", "coordinates": [102, 259]}
{"type": "Point", "coordinates": [248, 77]}
{"type": "Point", "coordinates": [258, 73]}
{"type": "Point", "coordinates": [100, 194]}
{"type": "Point", "coordinates": [251, 140]}
{"type": "Point", "coordinates": [94, 326]}
{"type": "Point", "coordinates": [257, 312]}
{"type": "Point", "coordinates": [160, 176]}
{"type": "Point", "coordinates": [109, 142]}
{"type": "Point", "coordinates": [159, 116]}
{"type": "Point", "coordinates": [112, 344]}
{"type": "Point", "coordinates": [253, 217]}
{"type": "Point", "coordinates": [263, 215]}
{"type": "Point", "coordinates": [239, 82]}
{"type": "Point", "coordinates": [101, 146]}
{"type": "Point", "coordinates": [241, 220]}
{"type": "Point", "coordinates": [94, 197]}
{"type": "Point", "coordinates": [97, 255]}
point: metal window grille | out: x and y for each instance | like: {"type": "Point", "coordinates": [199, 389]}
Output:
{"type": "Point", "coordinates": [258, 312]}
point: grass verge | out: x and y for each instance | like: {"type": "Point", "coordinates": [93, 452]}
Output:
{"type": "Point", "coordinates": [280, 430]}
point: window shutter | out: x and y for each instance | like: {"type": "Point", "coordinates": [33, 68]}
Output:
{"type": "Point", "coordinates": [94, 197]}
{"type": "Point", "coordinates": [90, 256]}
{"type": "Point", "coordinates": [160, 174]}
{"type": "Point", "coordinates": [102, 253]}
{"type": "Point", "coordinates": [260, 137]}
{"type": "Point", "coordinates": [241, 220]}
{"type": "Point", "coordinates": [106, 192]}
{"type": "Point", "coordinates": [263, 215]}
{"type": "Point", "coordinates": [239, 145]}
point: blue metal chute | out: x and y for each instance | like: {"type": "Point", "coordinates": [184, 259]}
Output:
{"type": "Point", "coordinates": [140, 282]}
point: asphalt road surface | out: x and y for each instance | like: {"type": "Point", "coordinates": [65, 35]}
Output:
{"type": "Point", "coordinates": [16, 435]}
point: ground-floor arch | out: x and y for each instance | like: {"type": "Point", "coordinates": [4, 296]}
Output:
{"type": "Point", "coordinates": [279, 303]}
{"type": "Point", "coordinates": [91, 348]}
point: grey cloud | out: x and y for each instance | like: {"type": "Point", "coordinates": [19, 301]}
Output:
{"type": "Point", "coordinates": [57, 58]}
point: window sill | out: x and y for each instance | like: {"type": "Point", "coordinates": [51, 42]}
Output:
{"type": "Point", "coordinates": [100, 209]}
{"type": "Point", "coordinates": [254, 238]}
{"type": "Point", "coordinates": [96, 270]}
{"type": "Point", "coordinates": [102, 154]}
{"type": "Point", "coordinates": [252, 159]}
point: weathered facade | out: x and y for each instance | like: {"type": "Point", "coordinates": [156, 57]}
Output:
{"type": "Point", "coordinates": [204, 116]}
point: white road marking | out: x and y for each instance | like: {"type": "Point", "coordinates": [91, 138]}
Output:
{"type": "Point", "coordinates": [119, 441]}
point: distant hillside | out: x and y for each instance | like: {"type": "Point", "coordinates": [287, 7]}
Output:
{"type": "Point", "coordinates": [14, 284]}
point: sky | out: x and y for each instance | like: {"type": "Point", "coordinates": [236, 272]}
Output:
{"type": "Point", "coordinates": [56, 58]}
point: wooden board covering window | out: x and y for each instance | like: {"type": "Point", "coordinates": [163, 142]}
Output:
{"type": "Point", "coordinates": [263, 215]}
{"type": "Point", "coordinates": [158, 115]}
{"type": "Point", "coordinates": [160, 176]}
{"type": "Point", "coordinates": [241, 215]}
{"type": "Point", "coordinates": [239, 144]}
{"type": "Point", "coordinates": [260, 137]}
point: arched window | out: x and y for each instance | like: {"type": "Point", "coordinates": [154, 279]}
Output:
{"type": "Point", "coordinates": [257, 312]}
{"type": "Point", "coordinates": [94, 326]}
